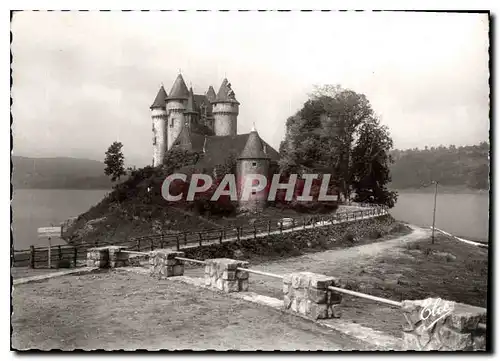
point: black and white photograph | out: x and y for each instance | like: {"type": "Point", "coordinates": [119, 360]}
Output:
{"type": "Point", "coordinates": [251, 180]}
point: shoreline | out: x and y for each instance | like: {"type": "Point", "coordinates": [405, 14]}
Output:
{"type": "Point", "coordinates": [442, 189]}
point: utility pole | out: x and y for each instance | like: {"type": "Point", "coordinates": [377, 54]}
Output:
{"type": "Point", "coordinates": [434, 213]}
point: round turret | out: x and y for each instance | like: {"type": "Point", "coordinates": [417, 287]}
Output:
{"type": "Point", "coordinates": [159, 118]}
{"type": "Point", "coordinates": [252, 160]}
{"type": "Point", "coordinates": [225, 110]}
{"type": "Point", "coordinates": [176, 106]}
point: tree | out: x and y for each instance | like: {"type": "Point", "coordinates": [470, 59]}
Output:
{"type": "Point", "coordinates": [114, 161]}
{"type": "Point", "coordinates": [370, 168]}
{"type": "Point", "coordinates": [322, 135]}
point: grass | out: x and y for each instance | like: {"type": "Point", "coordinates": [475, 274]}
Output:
{"type": "Point", "coordinates": [130, 311]}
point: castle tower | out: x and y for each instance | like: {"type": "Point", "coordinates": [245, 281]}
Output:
{"type": "Point", "coordinates": [225, 110]}
{"type": "Point", "coordinates": [176, 106]}
{"type": "Point", "coordinates": [159, 117]}
{"type": "Point", "coordinates": [253, 160]}
{"type": "Point", "coordinates": [191, 114]}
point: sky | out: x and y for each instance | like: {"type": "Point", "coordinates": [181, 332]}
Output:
{"type": "Point", "coordinates": [82, 80]}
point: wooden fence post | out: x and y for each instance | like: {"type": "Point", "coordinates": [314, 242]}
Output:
{"type": "Point", "coordinates": [269, 227]}
{"type": "Point", "coordinates": [161, 240]}
{"type": "Point", "coordinates": [220, 237]}
{"type": "Point", "coordinates": [75, 255]}
{"type": "Point", "coordinates": [96, 243]}
{"type": "Point", "coordinates": [199, 235]}
{"type": "Point", "coordinates": [152, 245]}
{"type": "Point", "coordinates": [177, 243]}
{"type": "Point", "coordinates": [138, 245]}
{"type": "Point", "coordinates": [59, 251]}
{"type": "Point", "coordinates": [304, 222]}
{"type": "Point", "coordinates": [185, 238]}
{"type": "Point", "coordinates": [238, 233]}
{"type": "Point", "coordinates": [254, 232]}
{"type": "Point", "coordinates": [281, 227]}
{"type": "Point", "coordinates": [32, 256]}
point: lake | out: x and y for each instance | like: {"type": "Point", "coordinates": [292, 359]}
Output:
{"type": "Point", "coordinates": [463, 215]}
{"type": "Point", "coordinates": [33, 208]}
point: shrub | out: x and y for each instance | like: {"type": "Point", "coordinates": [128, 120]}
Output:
{"type": "Point", "coordinates": [349, 238]}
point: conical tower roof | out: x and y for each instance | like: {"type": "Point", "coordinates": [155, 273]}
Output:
{"type": "Point", "coordinates": [161, 99]}
{"type": "Point", "coordinates": [254, 149]}
{"type": "Point", "coordinates": [179, 89]}
{"type": "Point", "coordinates": [191, 105]}
{"type": "Point", "coordinates": [211, 94]}
{"type": "Point", "coordinates": [225, 94]}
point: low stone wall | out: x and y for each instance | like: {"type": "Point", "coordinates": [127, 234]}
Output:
{"type": "Point", "coordinates": [107, 257]}
{"type": "Point", "coordinates": [222, 274]}
{"type": "Point", "coordinates": [291, 243]}
{"type": "Point", "coordinates": [435, 324]}
{"type": "Point", "coordinates": [307, 293]}
{"type": "Point", "coordinates": [163, 263]}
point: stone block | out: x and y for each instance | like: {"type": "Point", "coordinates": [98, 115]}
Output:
{"type": "Point", "coordinates": [479, 343]}
{"type": "Point", "coordinates": [455, 340]}
{"type": "Point", "coordinates": [243, 285]}
{"type": "Point", "coordinates": [466, 317]}
{"type": "Point", "coordinates": [178, 270]}
{"type": "Point", "coordinates": [287, 302]}
{"type": "Point", "coordinates": [334, 311]}
{"type": "Point", "coordinates": [242, 275]}
{"type": "Point", "coordinates": [441, 325]}
{"type": "Point", "coordinates": [317, 296]}
{"type": "Point", "coordinates": [229, 275]}
{"type": "Point", "coordinates": [286, 288]}
{"type": "Point", "coordinates": [318, 311]}
{"type": "Point", "coordinates": [287, 279]}
{"type": "Point", "coordinates": [231, 286]}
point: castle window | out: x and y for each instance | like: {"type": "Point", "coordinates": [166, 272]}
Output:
{"type": "Point", "coordinates": [254, 164]}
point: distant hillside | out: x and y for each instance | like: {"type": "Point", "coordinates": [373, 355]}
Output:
{"type": "Point", "coordinates": [457, 167]}
{"type": "Point", "coordinates": [58, 173]}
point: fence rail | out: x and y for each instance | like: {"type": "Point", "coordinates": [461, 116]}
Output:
{"type": "Point", "coordinates": [37, 257]}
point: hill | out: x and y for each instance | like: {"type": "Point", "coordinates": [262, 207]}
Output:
{"type": "Point", "coordinates": [58, 173]}
{"type": "Point", "coordinates": [455, 167]}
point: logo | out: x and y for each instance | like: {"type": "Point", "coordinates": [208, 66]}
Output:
{"type": "Point", "coordinates": [177, 187]}
{"type": "Point", "coordinates": [436, 310]}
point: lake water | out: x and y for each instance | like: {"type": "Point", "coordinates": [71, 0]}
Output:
{"type": "Point", "coordinates": [463, 215]}
{"type": "Point", "coordinates": [33, 208]}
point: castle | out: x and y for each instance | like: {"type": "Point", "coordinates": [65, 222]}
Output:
{"type": "Point", "coordinates": [208, 124]}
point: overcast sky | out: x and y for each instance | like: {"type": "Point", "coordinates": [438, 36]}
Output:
{"type": "Point", "coordinates": [83, 80]}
